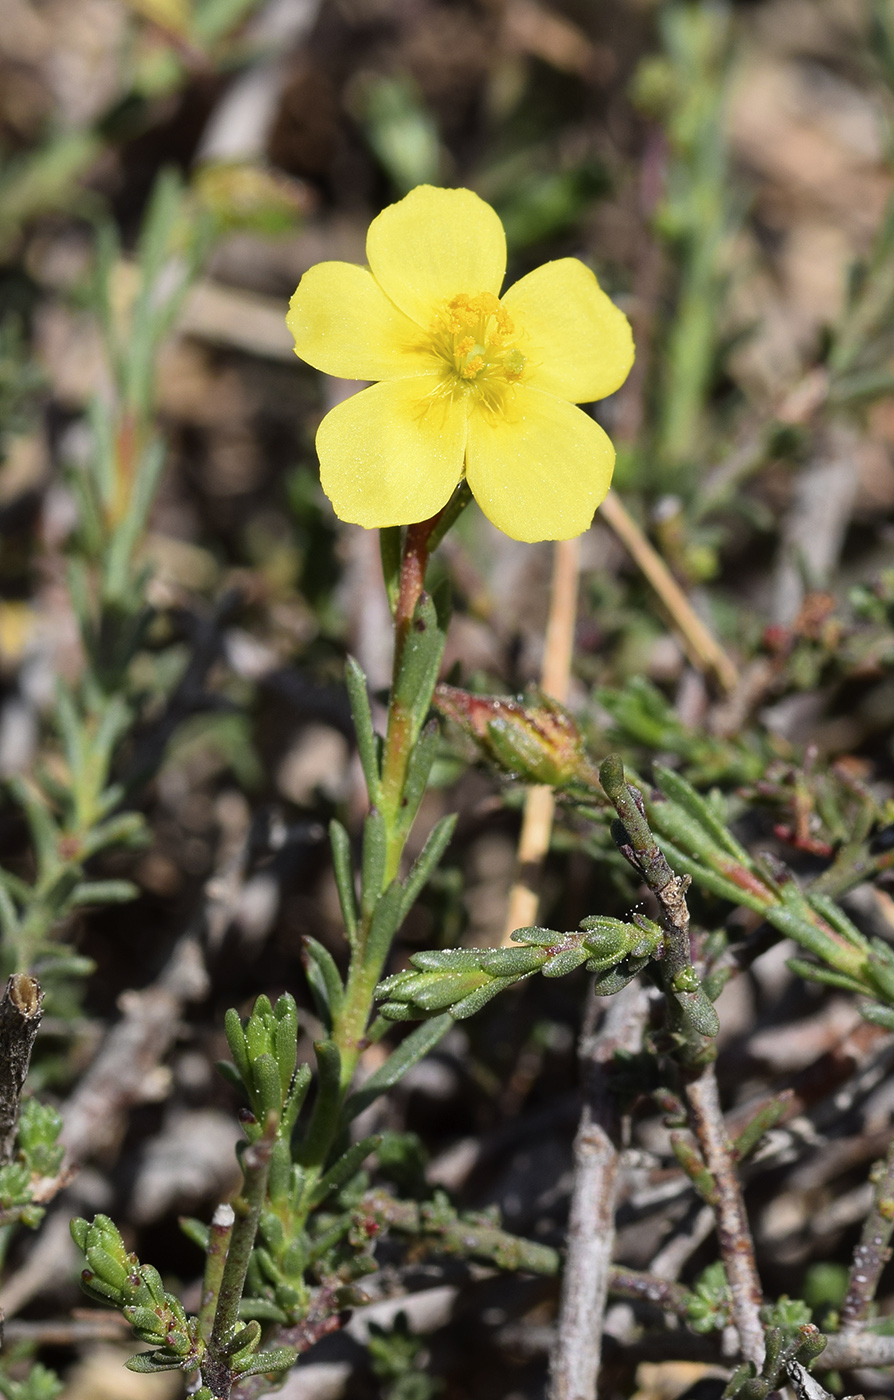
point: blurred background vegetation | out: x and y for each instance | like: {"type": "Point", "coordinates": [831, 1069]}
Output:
{"type": "Point", "coordinates": [177, 599]}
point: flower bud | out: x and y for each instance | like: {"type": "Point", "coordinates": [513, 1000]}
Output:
{"type": "Point", "coordinates": [538, 742]}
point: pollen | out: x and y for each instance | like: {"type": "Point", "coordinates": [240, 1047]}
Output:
{"type": "Point", "coordinates": [474, 339]}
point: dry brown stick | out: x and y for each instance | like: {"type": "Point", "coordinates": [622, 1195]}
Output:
{"type": "Point", "coordinates": [845, 1350]}
{"type": "Point", "coordinates": [873, 1252]}
{"type": "Point", "coordinates": [20, 1014]}
{"type": "Point", "coordinates": [733, 1230]}
{"type": "Point", "coordinates": [66, 1332]}
{"type": "Point", "coordinates": [540, 802]}
{"type": "Point", "coordinates": [703, 649]}
{"type": "Point", "coordinates": [574, 1364]}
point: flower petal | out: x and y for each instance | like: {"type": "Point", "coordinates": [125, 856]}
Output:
{"type": "Point", "coordinates": [344, 324]}
{"type": "Point", "coordinates": [539, 470]}
{"type": "Point", "coordinates": [392, 454]}
{"type": "Point", "coordinates": [578, 344]}
{"type": "Point", "coordinates": [433, 245]}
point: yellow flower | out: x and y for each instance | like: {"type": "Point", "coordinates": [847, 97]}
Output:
{"type": "Point", "coordinates": [470, 382]}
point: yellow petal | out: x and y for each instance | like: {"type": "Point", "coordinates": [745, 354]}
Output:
{"type": "Point", "coordinates": [539, 470]}
{"type": "Point", "coordinates": [344, 325]}
{"type": "Point", "coordinates": [392, 454]}
{"type": "Point", "coordinates": [577, 343]}
{"type": "Point", "coordinates": [434, 245]}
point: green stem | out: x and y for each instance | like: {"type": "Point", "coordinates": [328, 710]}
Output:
{"type": "Point", "coordinates": [364, 974]}
{"type": "Point", "coordinates": [215, 1261]}
{"type": "Point", "coordinates": [399, 736]}
{"type": "Point", "coordinates": [216, 1370]}
{"type": "Point", "coordinates": [406, 716]}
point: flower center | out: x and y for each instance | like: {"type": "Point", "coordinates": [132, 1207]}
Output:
{"type": "Point", "coordinates": [474, 338]}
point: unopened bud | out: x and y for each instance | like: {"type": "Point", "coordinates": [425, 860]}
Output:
{"type": "Point", "coordinates": [538, 742]}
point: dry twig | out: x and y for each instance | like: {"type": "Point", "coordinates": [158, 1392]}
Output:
{"type": "Point", "coordinates": [733, 1231]}
{"type": "Point", "coordinates": [20, 1014]}
{"type": "Point", "coordinates": [690, 1016]}
{"type": "Point", "coordinates": [574, 1364]}
{"type": "Point", "coordinates": [703, 649]}
{"type": "Point", "coordinates": [872, 1253]}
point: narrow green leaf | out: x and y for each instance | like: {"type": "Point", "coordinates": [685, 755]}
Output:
{"type": "Point", "coordinates": [238, 1048]}
{"type": "Point", "coordinates": [510, 962]}
{"type": "Point", "coordinates": [326, 1103]}
{"type": "Point", "coordinates": [146, 1322]}
{"type": "Point", "coordinates": [479, 998]}
{"type": "Point", "coordinates": [419, 664]}
{"type": "Point", "coordinates": [149, 1363]}
{"type": "Point", "coordinates": [435, 992]}
{"type": "Point", "coordinates": [567, 961]}
{"type": "Point", "coordinates": [59, 964]}
{"type": "Point", "coordinates": [343, 870]}
{"type": "Point", "coordinates": [451, 959]}
{"type": "Point", "coordinates": [295, 1099]}
{"type": "Point", "coordinates": [344, 1168]}
{"type": "Point", "coordinates": [813, 972]}
{"type": "Point", "coordinates": [418, 772]}
{"type": "Point", "coordinates": [324, 979]}
{"type": "Point", "coordinates": [400, 1011]}
{"type": "Point", "coordinates": [279, 1359]}
{"type": "Point", "coordinates": [9, 919]}
{"type": "Point", "coordinates": [18, 889]}
{"type": "Point", "coordinates": [104, 892]}
{"type": "Point", "coordinates": [384, 925]}
{"type": "Point", "coordinates": [823, 945]}
{"type": "Point", "coordinates": [375, 849]}
{"type": "Point", "coordinates": [266, 1095]}
{"type": "Point", "coordinates": [118, 562]}
{"type": "Point", "coordinates": [57, 895]}
{"type": "Point", "coordinates": [878, 1015]}
{"type": "Point", "coordinates": [836, 917]}
{"type": "Point", "coordinates": [684, 795]}
{"type": "Point", "coordinates": [43, 829]}
{"type": "Point", "coordinates": [426, 862]}
{"type": "Point", "coordinates": [363, 727]}
{"type": "Point", "coordinates": [195, 1231]}
{"type": "Point", "coordinates": [285, 1038]}
{"type": "Point", "coordinates": [410, 1051]}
